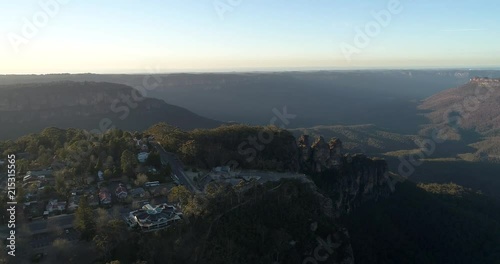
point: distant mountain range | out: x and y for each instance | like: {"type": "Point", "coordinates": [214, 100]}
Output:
{"type": "Point", "coordinates": [469, 114]}
{"type": "Point", "coordinates": [28, 108]}
{"type": "Point", "coordinates": [385, 98]}
{"type": "Point", "coordinates": [475, 106]}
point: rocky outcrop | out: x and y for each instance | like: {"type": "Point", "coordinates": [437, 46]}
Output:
{"type": "Point", "coordinates": [319, 155]}
{"type": "Point", "coordinates": [485, 80]}
{"type": "Point", "coordinates": [341, 182]}
{"type": "Point", "coordinates": [348, 180]}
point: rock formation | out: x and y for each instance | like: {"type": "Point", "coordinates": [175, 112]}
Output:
{"type": "Point", "coordinates": [348, 180]}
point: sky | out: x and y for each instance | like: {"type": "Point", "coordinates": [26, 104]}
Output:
{"type": "Point", "coordinates": [132, 36]}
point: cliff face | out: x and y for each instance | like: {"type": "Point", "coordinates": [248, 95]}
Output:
{"type": "Point", "coordinates": [349, 180]}
{"type": "Point", "coordinates": [341, 182]}
{"type": "Point", "coordinates": [471, 107]}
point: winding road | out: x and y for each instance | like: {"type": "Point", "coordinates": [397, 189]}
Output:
{"type": "Point", "coordinates": [177, 167]}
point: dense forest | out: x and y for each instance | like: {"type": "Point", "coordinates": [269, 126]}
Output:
{"type": "Point", "coordinates": [237, 146]}
{"type": "Point", "coordinates": [428, 223]}
{"type": "Point", "coordinates": [272, 223]}
{"type": "Point", "coordinates": [278, 222]}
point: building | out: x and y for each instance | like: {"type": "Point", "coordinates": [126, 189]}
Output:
{"type": "Point", "coordinates": [138, 142]}
{"type": "Point", "coordinates": [100, 175]}
{"type": "Point", "coordinates": [142, 157]}
{"type": "Point", "coordinates": [104, 197]}
{"type": "Point", "coordinates": [121, 192]}
{"type": "Point", "coordinates": [36, 173]}
{"type": "Point", "coordinates": [55, 205]}
{"type": "Point", "coordinates": [138, 192]}
{"type": "Point", "coordinates": [74, 201]}
{"type": "Point", "coordinates": [93, 200]}
{"type": "Point", "coordinates": [150, 218]}
{"type": "Point", "coordinates": [223, 169]}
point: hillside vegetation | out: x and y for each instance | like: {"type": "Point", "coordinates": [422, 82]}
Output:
{"type": "Point", "coordinates": [427, 224]}
{"type": "Point", "coordinates": [368, 139]}
{"type": "Point", "coordinates": [29, 108]}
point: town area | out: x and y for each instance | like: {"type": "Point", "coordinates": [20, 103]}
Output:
{"type": "Point", "coordinates": [49, 206]}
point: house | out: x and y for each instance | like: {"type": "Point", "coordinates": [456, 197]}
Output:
{"type": "Point", "coordinates": [100, 175]}
{"type": "Point", "coordinates": [121, 192]}
{"type": "Point", "coordinates": [138, 142]}
{"type": "Point", "coordinates": [36, 173]}
{"type": "Point", "coordinates": [74, 201]}
{"type": "Point", "coordinates": [151, 218]}
{"type": "Point", "coordinates": [54, 205]}
{"type": "Point", "coordinates": [27, 178]}
{"type": "Point", "coordinates": [93, 200]}
{"type": "Point", "coordinates": [104, 197]}
{"type": "Point", "coordinates": [142, 157]}
{"type": "Point", "coordinates": [138, 192]}
{"type": "Point", "coordinates": [223, 169]}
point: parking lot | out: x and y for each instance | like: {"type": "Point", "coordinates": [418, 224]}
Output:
{"type": "Point", "coordinates": [43, 240]}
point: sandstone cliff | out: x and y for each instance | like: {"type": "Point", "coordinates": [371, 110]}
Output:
{"type": "Point", "coordinates": [348, 180]}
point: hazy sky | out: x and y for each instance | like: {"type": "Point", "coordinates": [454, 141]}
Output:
{"type": "Point", "coordinates": [212, 35]}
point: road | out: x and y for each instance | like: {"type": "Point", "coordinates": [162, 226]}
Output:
{"type": "Point", "coordinates": [44, 225]}
{"type": "Point", "coordinates": [177, 168]}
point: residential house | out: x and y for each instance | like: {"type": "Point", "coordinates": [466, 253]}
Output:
{"type": "Point", "coordinates": [121, 192]}
{"type": "Point", "coordinates": [100, 175]}
{"type": "Point", "coordinates": [138, 192]}
{"type": "Point", "coordinates": [93, 200]}
{"type": "Point", "coordinates": [142, 157]}
{"type": "Point", "coordinates": [104, 197]}
{"type": "Point", "coordinates": [150, 218]}
{"type": "Point", "coordinates": [222, 169]}
{"type": "Point", "coordinates": [138, 142]}
{"type": "Point", "coordinates": [55, 206]}
{"type": "Point", "coordinates": [74, 201]}
{"type": "Point", "coordinates": [36, 173]}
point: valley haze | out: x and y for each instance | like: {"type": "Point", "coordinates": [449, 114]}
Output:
{"type": "Point", "coordinates": [228, 131]}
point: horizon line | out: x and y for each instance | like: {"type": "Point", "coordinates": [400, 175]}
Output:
{"type": "Point", "coordinates": [264, 70]}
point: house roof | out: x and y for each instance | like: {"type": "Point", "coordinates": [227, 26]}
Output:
{"type": "Point", "coordinates": [149, 214]}
{"type": "Point", "coordinates": [104, 195]}
{"type": "Point", "coordinates": [121, 190]}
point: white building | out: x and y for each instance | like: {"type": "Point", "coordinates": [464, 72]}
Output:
{"type": "Point", "coordinates": [142, 157]}
{"type": "Point", "coordinates": [55, 205]}
{"type": "Point", "coordinates": [100, 175]}
{"type": "Point", "coordinates": [150, 218]}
